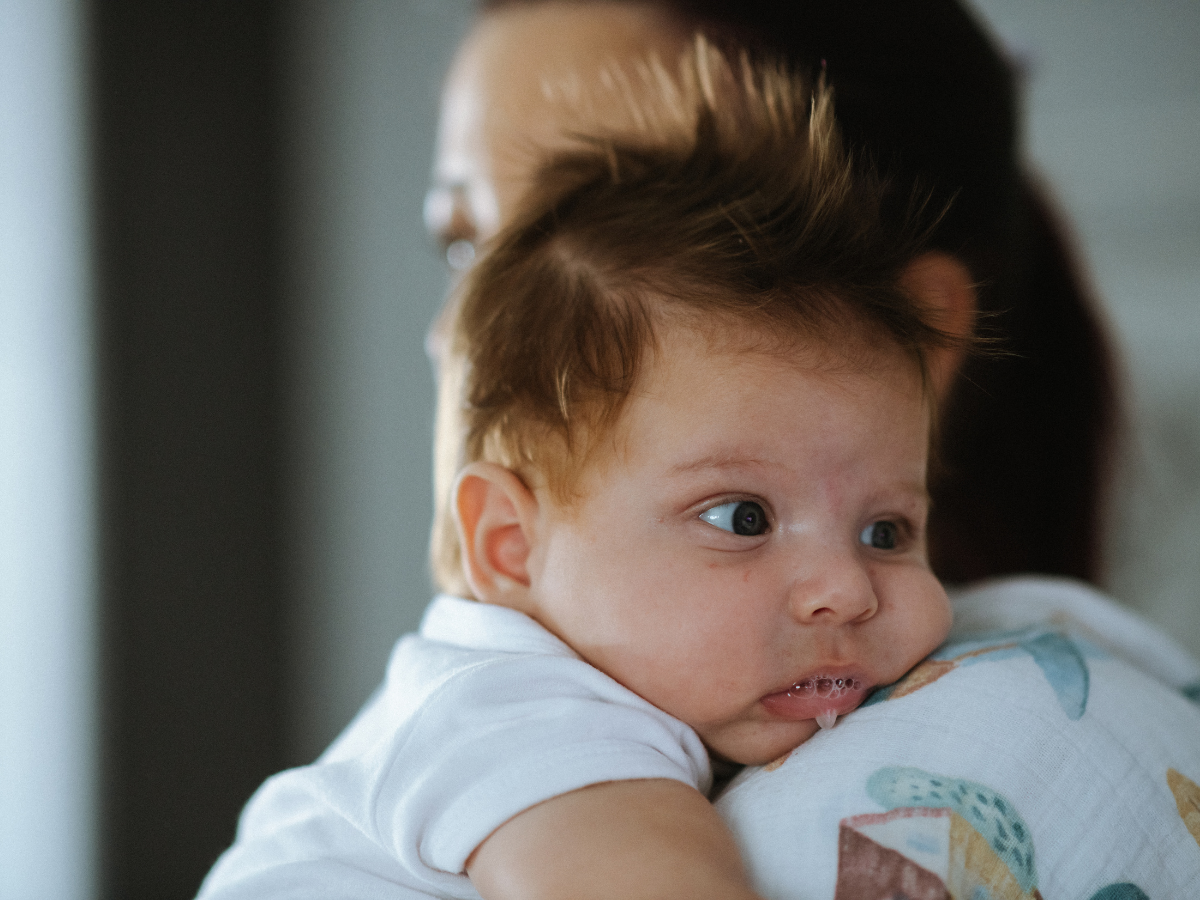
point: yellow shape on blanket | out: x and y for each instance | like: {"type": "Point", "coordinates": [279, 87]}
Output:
{"type": "Point", "coordinates": [976, 870]}
{"type": "Point", "coordinates": [925, 673]}
{"type": "Point", "coordinates": [930, 670]}
{"type": "Point", "coordinates": [776, 763]}
{"type": "Point", "coordinates": [1187, 799]}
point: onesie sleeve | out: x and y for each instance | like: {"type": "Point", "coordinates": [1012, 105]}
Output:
{"type": "Point", "coordinates": [502, 736]}
{"type": "Point", "coordinates": [482, 715]}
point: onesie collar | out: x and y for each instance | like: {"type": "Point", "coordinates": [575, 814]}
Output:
{"type": "Point", "coordinates": [484, 626]}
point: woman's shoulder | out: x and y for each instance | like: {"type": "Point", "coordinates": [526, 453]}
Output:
{"type": "Point", "coordinates": [1026, 601]}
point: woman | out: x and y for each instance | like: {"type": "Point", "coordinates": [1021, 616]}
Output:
{"type": "Point", "coordinates": [1024, 454]}
{"type": "Point", "coordinates": [950, 790]}
{"type": "Point", "coordinates": [1043, 736]}
{"type": "Point", "coordinates": [944, 793]}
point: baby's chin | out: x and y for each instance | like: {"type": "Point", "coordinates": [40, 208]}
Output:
{"type": "Point", "coordinates": [762, 748]}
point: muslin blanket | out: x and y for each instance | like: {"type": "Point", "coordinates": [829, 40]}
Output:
{"type": "Point", "coordinates": [1051, 749]}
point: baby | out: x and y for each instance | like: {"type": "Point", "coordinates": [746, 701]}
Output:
{"type": "Point", "coordinates": [690, 393]}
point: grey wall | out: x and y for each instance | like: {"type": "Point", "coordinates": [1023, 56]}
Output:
{"type": "Point", "coordinates": [262, 288]}
{"type": "Point", "coordinates": [47, 485]}
{"type": "Point", "coordinates": [188, 312]}
{"type": "Point", "coordinates": [1113, 100]}
{"type": "Point", "coordinates": [362, 285]}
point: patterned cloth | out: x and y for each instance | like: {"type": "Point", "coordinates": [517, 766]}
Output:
{"type": "Point", "coordinates": [1051, 749]}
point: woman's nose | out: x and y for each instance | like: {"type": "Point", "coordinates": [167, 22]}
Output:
{"type": "Point", "coordinates": [449, 221]}
{"type": "Point", "coordinates": [835, 593]}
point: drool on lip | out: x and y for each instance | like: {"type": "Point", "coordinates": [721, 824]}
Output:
{"type": "Point", "coordinates": [824, 686]}
{"type": "Point", "coordinates": [822, 697]}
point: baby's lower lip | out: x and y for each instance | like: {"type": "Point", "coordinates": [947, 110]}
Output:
{"type": "Point", "coordinates": [819, 694]}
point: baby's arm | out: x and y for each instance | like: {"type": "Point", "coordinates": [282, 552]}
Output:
{"type": "Point", "coordinates": [653, 838]}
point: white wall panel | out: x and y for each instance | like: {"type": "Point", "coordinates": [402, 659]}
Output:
{"type": "Point", "coordinates": [47, 679]}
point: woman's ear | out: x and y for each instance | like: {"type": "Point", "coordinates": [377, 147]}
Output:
{"type": "Point", "coordinates": [943, 284]}
{"type": "Point", "coordinates": [495, 514]}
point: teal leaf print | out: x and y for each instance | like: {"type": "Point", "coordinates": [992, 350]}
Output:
{"type": "Point", "coordinates": [1064, 667]}
{"type": "Point", "coordinates": [879, 695]}
{"type": "Point", "coordinates": [1121, 891]}
{"type": "Point", "coordinates": [988, 812]}
{"type": "Point", "coordinates": [1062, 662]}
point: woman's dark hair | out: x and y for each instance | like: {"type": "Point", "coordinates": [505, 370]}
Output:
{"type": "Point", "coordinates": [1027, 435]}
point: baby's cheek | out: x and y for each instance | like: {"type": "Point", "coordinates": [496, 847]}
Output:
{"type": "Point", "coordinates": [928, 617]}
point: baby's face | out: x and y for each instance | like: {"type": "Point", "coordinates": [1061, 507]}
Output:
{"type": "Point", "coordinates": [754, 537]}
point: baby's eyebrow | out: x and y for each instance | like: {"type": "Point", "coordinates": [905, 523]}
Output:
{"type": "Point", "coordinates": [719, 461]}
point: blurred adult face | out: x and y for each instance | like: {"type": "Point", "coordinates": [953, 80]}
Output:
{"type": "Point", "coordinates": [497, 117]}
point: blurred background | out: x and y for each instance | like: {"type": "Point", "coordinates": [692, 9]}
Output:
{"type": "Point", "coordinates": [216, 412]}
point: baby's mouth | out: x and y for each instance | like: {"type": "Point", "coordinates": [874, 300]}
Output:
{"type": "Point", "coordinates": [827, 687]}
{"type": "Point", "coordinates": [821, 697]}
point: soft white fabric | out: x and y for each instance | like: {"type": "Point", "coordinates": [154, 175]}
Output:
{"type": "Point", "coordinates": [483, 714]}
{"type": "Point", "coordinates": [1018, 602]}
{"type": "Point", "coordinates": [1048, 747]}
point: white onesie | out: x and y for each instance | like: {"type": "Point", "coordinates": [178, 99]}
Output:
{"type": "Point", "coordinates": [483, 714]}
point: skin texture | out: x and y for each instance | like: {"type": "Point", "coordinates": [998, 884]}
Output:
{"type": "Point", "coordinates": [669, 840]}
{"type": "Point", "coordinates": [496, 119]}
{"type": "Point", "coordinates": [642, 578]}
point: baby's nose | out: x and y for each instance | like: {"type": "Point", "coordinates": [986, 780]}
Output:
{"type": "Point", "coordinates": [838, 593]}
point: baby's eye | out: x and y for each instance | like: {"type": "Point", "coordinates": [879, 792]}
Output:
{"type": "Point", "coordinates": [882, 535]}
{"type": "Point", "coordinates": [741, 517]}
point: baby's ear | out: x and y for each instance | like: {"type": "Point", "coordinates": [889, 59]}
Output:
{"type": "Point", "coordinates": [495, 513]}
{"type": "Point", "coordinates": [943, 284]}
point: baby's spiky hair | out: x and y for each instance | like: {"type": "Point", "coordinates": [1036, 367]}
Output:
{"type": "Point", "coordinates": [725, 198]}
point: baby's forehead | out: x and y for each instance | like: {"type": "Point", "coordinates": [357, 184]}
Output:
{"type": "Point", "coordinates": [720, 395]}
{"type": "Point", "coordinates": [708, 408]}
{"type": "Point", "coordinates": [700, 372]}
